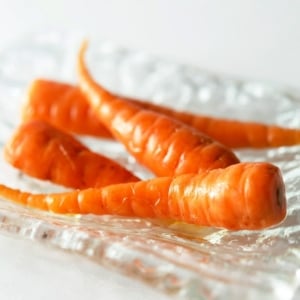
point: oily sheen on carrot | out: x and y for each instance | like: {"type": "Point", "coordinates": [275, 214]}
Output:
{"type": "Point", "coordinates": [162, 144]}
{"type": "Point", "coordinates": [45, 152]}
{"type": "Point", "coordinates": [241, 196]}
{"type": "Point", "coordinates": [65, 106]}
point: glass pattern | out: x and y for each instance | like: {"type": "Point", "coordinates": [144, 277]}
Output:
{"type": "Point", "coordinates": [185, 261]}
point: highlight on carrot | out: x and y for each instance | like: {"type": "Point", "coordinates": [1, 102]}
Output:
{"type": "Point", "coordinates": [65, 106]}
{"type": "Point", "coordinates": [164, 145]}
{"type": "Point", "coordinates": [242, 196]}
{"type": "Point", "coordinates": [45, 152]}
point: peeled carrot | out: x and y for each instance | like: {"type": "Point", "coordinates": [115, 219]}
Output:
{"type": "Point", "coordinates": [162, 144]}
{"type": "Point", "coordinates": [45, 152]}
{"type": "Point", "coordinates": [241, 196]}
{"type": "Point", "coordinates": [65, 106]}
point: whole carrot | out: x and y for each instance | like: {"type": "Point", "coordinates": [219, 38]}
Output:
{"type": "Point", "coordinates": [45, 152]}
{"type": "Point", "coordinates": [241, 196]}
{"type": "Point", "coordinates": [164, 145]}
{"type": "Point", "coordinates": [65, 106]}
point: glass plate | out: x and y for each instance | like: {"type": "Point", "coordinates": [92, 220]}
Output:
{"type": "Point", "coordinates": [187, 262]}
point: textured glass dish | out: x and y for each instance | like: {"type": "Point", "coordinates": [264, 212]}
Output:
{"type": "Point", "coordinates": [186, 262]}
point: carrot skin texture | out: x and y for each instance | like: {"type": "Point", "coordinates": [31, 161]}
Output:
{"type": "Point", "coordinates": [164, 145]}
{"type": "Point", "coordinates": [242, 196]}
{"type": "Point", "coordinates": [65, 106]}
{"type": "Point", "coordinates": [47, 153]}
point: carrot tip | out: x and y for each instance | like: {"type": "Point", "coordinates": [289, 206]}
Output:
{"type": "Point", "coordinates": [83, 47]}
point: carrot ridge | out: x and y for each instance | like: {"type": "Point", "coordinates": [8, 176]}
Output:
{"type": "Point", "coordinates": [128, 123]}
{"type": "Point", "coordinates": [241, 196]}
{"type": "Point", "coordinates": [65, 106]}
{"type": "Point", "coordinates": [48, 153]}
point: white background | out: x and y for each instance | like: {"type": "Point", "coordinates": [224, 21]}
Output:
{"type": "Point", "coordinates": [252, 39]}
{"type": "Point", "coordinates": [255, 39]}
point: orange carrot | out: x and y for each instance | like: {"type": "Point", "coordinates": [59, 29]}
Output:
{"type": "Point", "coordinates": [66, 107]}
{"type": "Point", "coordinates": [164, 145]}
{"type": "Point", "coordinates": [45, 152]}
{"type": "Point", "coordinates": [241, 196]}
{"type": "Point", "coordinates": [63, 106]}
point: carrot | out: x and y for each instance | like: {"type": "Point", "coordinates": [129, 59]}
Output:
{"type": "Point", "coordinates": [45, 152]}
{"type": "Point", "coordinates": [162, 144]}
{"type": "Point", "coordinates": [241, 196]}
{"type": "Point", "coordinates": [65, 106]}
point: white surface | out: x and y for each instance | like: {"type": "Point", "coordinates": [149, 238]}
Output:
{"type": "Point", "coordinates": [252, 39]}
{"type": "Point", "coordinates": [35, 271]}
